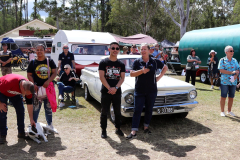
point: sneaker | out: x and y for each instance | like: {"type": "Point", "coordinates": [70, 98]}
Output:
{"type": "Point", "coordinates": [231, 113]}
{"type": "Point", "coordinates": [3, 139]}
{"type": "Point", "coordinates": [60, 97]}
{"type": "Point", "coordinates": [104, 134]}
{"type": "Point", "coordinates": [119, 132]}
{"type": "Point", "coordinates": [22, 135]}
{"type": "Point", "coordinates": [147, 131]}
{"type": "Point", "coordinates": [130, 136]}
{"type": "Point", "coordinates": [222, 114]}
{"type": "Point", "coordinates": [212, 87]}
{"type": "Point", "coordinates": [61, 105]}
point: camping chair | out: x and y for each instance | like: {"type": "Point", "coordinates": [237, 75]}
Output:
{"type": "Point", "coordinates": [66, 94]}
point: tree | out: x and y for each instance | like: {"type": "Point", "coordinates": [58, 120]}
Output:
{"type": "Point", "coordinates": [183, 16]}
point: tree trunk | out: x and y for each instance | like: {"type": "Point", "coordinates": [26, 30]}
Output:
{"type": "Point", "coordinates": [16, 10]}
{"type": "Point", "coordinates": [97, 15]}
{"type": "Point", "coordinates": [35, 9]}
{"type": "Point", "coordinates": [57, 23]}
{"type": "Point", "coordinates": [102, 15]}
{"type": "Point", "coordinates": [90, 16]}
{"type": "Point", "coordinates": [20, 20]}
{"type": "Point", "coordinates": [27, 10]}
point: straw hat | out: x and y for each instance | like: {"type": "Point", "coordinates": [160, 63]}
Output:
{"type": "Point", "coordinates": [212, 51]}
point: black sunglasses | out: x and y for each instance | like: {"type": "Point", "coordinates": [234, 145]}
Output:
{"type": "Point", "coordinates": [65, 68]}
{"type": "Point", "coordinates": [113, 48]}
{"type": "Point", "coordinates": [231, 51]}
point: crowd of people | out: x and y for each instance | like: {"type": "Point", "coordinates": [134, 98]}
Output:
{"type": "Point", "coordinates": [42, 71]}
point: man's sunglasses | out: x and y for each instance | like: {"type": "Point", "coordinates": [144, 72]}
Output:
{"type": "Point", "coordinates": [65, 68]}
{"type": "Point", "coordinates": [134, 47]}
{"type": "Point", "coordinates": [231, 51]}
{"type": "Point", "coordinates": [113, 48]}
{"type": "Point", "coordinates": [65, 47]}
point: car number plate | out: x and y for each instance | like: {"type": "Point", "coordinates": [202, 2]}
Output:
{"type": "Point", "coordinates": [165, 110]}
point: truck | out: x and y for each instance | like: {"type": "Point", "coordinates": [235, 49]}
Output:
{"type": "Point", "coordinates": [205, 40]}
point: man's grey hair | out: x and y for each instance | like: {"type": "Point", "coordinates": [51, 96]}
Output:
{"type": "Point", "coordinates": [227, 48]}
{"type": "Point", "coordinates": [65, 44]}
{"type": "Point", "coordinates": [28, 86]}
{"type": "Point", "coordinates": [145, 44]}
{"type": "Point", "coordinates": [67, 66]}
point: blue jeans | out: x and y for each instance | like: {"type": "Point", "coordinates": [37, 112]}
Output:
{"type": "Point", "coordinates": [20, 111]}
{"type": "Point", "coordinates": [228, 89]}
{"type": "Point", "coordinates": [141, 99]}
{"type": "Point", "coordinates": [62, 88]}
{"type": "Point", "coordinates": [48, 110]}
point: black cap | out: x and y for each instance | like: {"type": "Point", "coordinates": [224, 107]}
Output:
{"type": "Point", "coordinates": [134, 46]}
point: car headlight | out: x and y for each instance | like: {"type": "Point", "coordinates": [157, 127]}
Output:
{"type": "Point", "coordinates": [192, 94]}
{"type": "Point", "coordinates": [129, 98]}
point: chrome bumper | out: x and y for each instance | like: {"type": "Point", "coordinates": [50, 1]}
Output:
{"type": "Point", "coordinates": [178, 108]}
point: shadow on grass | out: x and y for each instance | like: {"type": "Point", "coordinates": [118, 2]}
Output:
{"type": "Point", "coordinates": [201, 89]}
{"type": "Point", "coordinates": [19, 150]}
{"type": "Point", "coordinates": [164, 130]}
{"type": "Point", "coordinates": [235, 118]}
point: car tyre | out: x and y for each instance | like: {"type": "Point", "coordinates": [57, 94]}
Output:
{"type": "Point", "coordinates": [112, 116]}
{"type": "Point", "coordinates": [87, 95]}
{"type": "Point", "coordinates": [181, 115]}
{"type": "Point", "coordinates": [203, 77]}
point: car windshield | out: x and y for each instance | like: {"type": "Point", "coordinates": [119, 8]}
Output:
{"type": "Point", "coordinates": [128, 63]}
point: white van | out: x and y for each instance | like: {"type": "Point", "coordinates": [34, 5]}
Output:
{"type": "Point", "coordinates": [88, 47]}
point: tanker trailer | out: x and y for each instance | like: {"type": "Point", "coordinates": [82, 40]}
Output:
{"type": "Point", "coordinates": [205, 40]}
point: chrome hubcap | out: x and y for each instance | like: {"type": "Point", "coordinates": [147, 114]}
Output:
{"type": "Point", "coordinates": [203, 77]}
{"type": "Point", "coordinates": [112, 113]}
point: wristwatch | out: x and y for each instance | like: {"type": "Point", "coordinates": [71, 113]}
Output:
{"type": "Point", "coordinates": [116, 87]}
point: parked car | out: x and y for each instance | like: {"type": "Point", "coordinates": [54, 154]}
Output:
{"type": "Point", "coordinates": [174, 96]}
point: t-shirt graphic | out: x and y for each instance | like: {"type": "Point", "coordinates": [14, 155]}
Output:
{"type": "Point", "coordinates": [42, 71]}
{"type": "Point", "coordinates": [113, 72]}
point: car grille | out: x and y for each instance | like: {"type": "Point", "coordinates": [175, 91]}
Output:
{"type": "Point", "coordinates": [171, 99]}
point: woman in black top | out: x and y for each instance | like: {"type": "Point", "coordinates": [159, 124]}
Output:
{"type": "Point", "coordinates": [213, 67]}
{"type": "Point", "coordinates": [66, 82]}
{"type": "Point", "coordinates": [41, 71]}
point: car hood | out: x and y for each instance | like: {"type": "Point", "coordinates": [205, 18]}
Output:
{"type": "Point", "coordinates": [165, 83]}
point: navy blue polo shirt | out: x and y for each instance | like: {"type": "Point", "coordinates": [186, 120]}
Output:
{"type": "Point", "coordinates": [66, 59]}
{"type": "Point", "coordinates": [146, 83]}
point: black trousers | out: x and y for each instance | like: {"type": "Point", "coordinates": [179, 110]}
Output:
{"type": "Point", "coordinates": [193, 76]}
{"type": "Point", "coordinates": [106, 101]}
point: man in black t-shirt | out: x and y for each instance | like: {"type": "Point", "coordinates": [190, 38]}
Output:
{"type": "Point", "coordinates": [64, 58]}
{"type": "Point", "coordinates": [112, 74]}
{"type": "Point", "coordinates": [5, 60]}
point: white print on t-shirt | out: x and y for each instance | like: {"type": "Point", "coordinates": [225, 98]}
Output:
{"type": "Point", "coordinates": [113, 73]}
{"type": "Point", "coordinates": [13, 92]}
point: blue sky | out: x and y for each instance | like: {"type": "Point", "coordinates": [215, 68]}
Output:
{"type": "Point", "coordinates": [42, 13]}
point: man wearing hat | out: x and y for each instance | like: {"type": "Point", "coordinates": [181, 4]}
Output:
{"type": "Point", "coordinates": [5, 60]}
{"type": "Point", "coordinates": [134, 50]}
{"type": "Point", "coordinates": [14, 87]}
{"type": "Point", "coordinates": [213, 67]}
{"type": "Point", "coordinates": [151, 50]}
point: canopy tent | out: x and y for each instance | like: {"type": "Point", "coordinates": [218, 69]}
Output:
{"type": "Point", "coordinates": [135, 39]}
{"type": "Point", "coordinates": [167, 43]}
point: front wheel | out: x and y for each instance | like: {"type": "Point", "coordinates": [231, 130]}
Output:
{"type": "Point", "coordinates": [113, 117]}
{"type": "Point", "coordinates": [203, 77]}
{"type": "Point", "coordinates": [24, 65]}
{"type": "Point", "coordinates": [87, 95]}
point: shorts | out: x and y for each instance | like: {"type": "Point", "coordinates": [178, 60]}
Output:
{"type": "Point", "coordinates": [6, 70]}
{"type": "Point", "coordinates": [228, 89]}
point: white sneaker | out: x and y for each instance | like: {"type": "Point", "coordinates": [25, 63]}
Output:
{"type": "Point", "coordinates": [212, 87]}
{"type": "Point", "coordinates": [61, 105]}
{"type": "Point", "coordinates": [231, 113]}
{"type": "Point", "coordinates": [60, 97]}
{"type": "Point", "coordinates": [222, 114]}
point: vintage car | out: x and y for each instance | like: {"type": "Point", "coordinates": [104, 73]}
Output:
{"type": "Point", "coordinates": [174, 96]}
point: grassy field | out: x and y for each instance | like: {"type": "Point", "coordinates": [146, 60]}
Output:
{"type": "Point", "coordinates": [202, 135]}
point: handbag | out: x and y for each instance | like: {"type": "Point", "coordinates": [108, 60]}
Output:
{"type": "Point", "coordinates": [41, 94]}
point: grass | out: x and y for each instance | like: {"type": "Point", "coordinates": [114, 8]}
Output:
{"type": "Point", "coordinates": [202, 135]}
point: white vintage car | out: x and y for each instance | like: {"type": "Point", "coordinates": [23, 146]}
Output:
{"type": "Point", "coordinates": [174, 96]}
